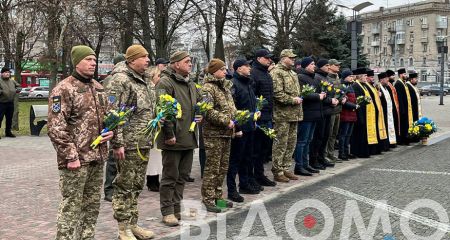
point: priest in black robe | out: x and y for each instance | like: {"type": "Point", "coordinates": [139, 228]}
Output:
{"type": "Point", "coordinates": [405, 107]}
{"type": "Point", "coordinates": [415, 100]}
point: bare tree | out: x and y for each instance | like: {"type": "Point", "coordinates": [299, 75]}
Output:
{"type": "Point", "coordinates": [220, 19]}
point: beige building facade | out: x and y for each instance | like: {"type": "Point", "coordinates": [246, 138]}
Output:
{"type": "Point", "coordinates": [407, 36]}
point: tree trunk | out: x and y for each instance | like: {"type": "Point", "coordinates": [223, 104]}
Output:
{"type": "Point", "coordinates": [146, 31]}
{"type": "Point", "coordinates": [161, 24]}
{"type": "Point", "coordinates": [128, 26]}
{"type": "Point", "coordinates": [52, 39]}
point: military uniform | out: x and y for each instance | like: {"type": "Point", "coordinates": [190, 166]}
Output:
{"type": "Point", "coordinates": [217, 137]}
{"type": "Point", "coordinates": [77, 107]}
{"type": "Point", "coordinates": [7, 94]}
{"type": "Point", "coordinates": [286, 115]}
{"type": "Point", "coordinates": [130, 89]}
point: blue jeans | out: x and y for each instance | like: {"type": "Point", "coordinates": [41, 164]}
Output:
{"type": "Point", "coordinates": [305, 134]}
{"type": "Point", "coordinates": [345, 132]}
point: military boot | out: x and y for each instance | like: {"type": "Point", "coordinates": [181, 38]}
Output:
{"type": "Point", "coordinates": [170, 220]}
{"type": "Point", "coordinates": [125, 232]}
{"type": "Point", "coordinates": [141, 233]}
{"type": "Point", "coordinates": [290, 175]}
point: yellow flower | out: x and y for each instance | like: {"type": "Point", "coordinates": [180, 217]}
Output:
{"type": "Point", "coordinates": [428, 127]}
{"type": "Point", "coordinates": [167, 98]}
{"type": "Point", "coordinates": [179, 113]}
{"type": "Point", "coordinates": [338, 90]}
{"type": "Point", "coordinates": [329, 88]}
{"type": "Point", "coordinates": [416, 129]}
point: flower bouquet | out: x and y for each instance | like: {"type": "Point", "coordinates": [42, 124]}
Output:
{"type": "Point", "coordinates": [339, 93]}
{"type": "Point", "coordinates": [242, 117]}
{"type": "Point", "coordinates": [200, 109]}
{"type": "Point", "coordinates": [307, 90]}
{"type": "Point", "coordinates": [112, 120]}
{"type": "Point", "coordinates": [270, 132]}
{"type": "Point", "coordinates": [260, 103]}
{"type": "Point", "coordinates": [363, 100]}
{"type": "Point", "coordinates": [422, 129]}
{"type": "Point", "coordinates": [326, 86]}
{"type": "Point", "coordinates": [167, 109]}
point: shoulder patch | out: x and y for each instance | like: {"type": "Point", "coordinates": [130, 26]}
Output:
{"type": "Point", "coordinates": [56, 105]}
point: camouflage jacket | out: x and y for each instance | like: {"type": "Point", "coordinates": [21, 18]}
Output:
{"type": "Point", "coordinates": [8, 90]}
{"type": "Point", "coordinates": [285, 88]}
{"type": "Point", "coordinates": [218, 92]}
{"type": "Point", "coordinates": [126, 87]}
{"type": "Point", "coordinates": [185, 92]}
{"type": "Point", "coordinates": [75, 118]}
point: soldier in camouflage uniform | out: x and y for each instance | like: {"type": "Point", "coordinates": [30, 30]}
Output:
{"type": "Point", "coordinates": [217, 132]}
{"type": "Point", "coordinates": [77, 106]}
{"type": "Point", "coordinates": [129, 87]}
{"type": "Point", "coordinates": [287, 111]}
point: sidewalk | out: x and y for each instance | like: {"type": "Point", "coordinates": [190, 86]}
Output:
{"type": "Point", "coordinates": [30, 194]}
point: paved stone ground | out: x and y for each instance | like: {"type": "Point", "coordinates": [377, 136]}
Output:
{"type": "Point", "coordinates": [30, 194]}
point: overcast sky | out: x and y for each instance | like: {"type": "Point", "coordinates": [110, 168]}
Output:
{"type": "Point", "coordinates": [376, 4]}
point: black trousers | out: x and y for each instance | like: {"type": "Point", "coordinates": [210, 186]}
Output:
{"type": "Point", "coordinates": [262, 150]}
{"type": "Point", "coordinates": [240, 161]}
{"type": "Point", "coordinates": [319, 143]}
{"type": "Point", "coordinates": [7, 110]}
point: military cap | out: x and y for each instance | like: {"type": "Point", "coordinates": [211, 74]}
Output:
{"type": "Point", "coordinates": [178, 56]}
{"type": "Point", "coordinates": [334, 62]}
{"type": "Point", "coordinates": [287, 53]}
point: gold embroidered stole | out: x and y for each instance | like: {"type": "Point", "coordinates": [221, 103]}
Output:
{"type": "Point", "coordinates": [419, 103]}
{"type": "Point", "coordinates": [390, 116]}
{"type": "Point", "coordinates": [370, 118]}
{"type": "Point", "coordinates": [381, 123]}
{"type": "Point", "coordinates": [395, 96]}
{"type": "Point", "coordinates": [408, 97]}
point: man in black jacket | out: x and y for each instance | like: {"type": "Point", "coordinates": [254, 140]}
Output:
{"type": "Point", "coordinates": [312, 113]}
{"type": "Point", "coordinates": [262, 85]}
{"type": "Point", "coordinates": [322, 132]}
{"type": "Point", "coordinates": [242, 145]}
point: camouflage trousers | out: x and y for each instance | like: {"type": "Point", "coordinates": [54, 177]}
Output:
{"type": "Point", "coordinates": [216, 167]}
{"type": "Point", "coordinates": [80, 204]}
{"type": "Point", "coordinates": [284, 147]}
{"type": "Point", "coordinates": [128, 185]}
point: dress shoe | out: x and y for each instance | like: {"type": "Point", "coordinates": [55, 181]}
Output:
{"type": "Point", "coordinates": [326, 163]}
{"type": "Point", "coordinates": [255, 184]}
{"type": "Point", "coordinates": [235, 197]}
{"type": "Point", "coordinates": [312, 170]}
{"type": "Point", "coordinates": [264, 181]}
{"type": "Point", "coordinates": [189, 179]}
{"type": "Point", "coordinates": [351, 156]}
{"type": "Point", "coordinates": [302, 172]}
{"type": "Point", "coordinates": [248, 190]}
{"type": "Point", "coordinates": [318, 166]}
{"type": "Point", "coordinates": [343, 157]}
{"type": "Point", "coordinates": [108, 198]}
{"type": "Point", "coordinates": [10, 135]}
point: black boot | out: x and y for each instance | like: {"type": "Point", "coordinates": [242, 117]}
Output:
{"type": "Point", "coordinates": [153, 183]}
{"type": "Point", "coordinates": [9, 134]}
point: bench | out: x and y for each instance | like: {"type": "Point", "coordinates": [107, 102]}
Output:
{"type": "Point", "coordinates": [41, 112]}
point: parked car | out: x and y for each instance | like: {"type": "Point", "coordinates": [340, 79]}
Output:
{"type": "Point", "coordinates": [39, 92]}
{"type": "Point", "coordinates": [24, 92]}
{"type": "Point", "coordinates": [432, 90]}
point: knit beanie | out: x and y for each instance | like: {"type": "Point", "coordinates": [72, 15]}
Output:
{"type": "Point", "coordinates": [306, 61]}
{"type": "Point", "coordinates": [321, 63]}
{"type": "Point", "coordinates": [178, 56]}
{"type": "Point", "coordinates": [134, 52]}
{"type": "Point", "coordinates": [214, 65]}
{"type": "Point", "coordinates": [79, 52]}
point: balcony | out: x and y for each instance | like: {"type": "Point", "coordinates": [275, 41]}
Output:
{"type": "Point", "coordinates": [424, 39]}
{"type": "Point", "coordinates": [401, 41]}
{"type": "Point", "coordinates": [441, 24]}
{"type": "Point", "coordinates": [440, 38]}
{"type": "Point", "coordinates": [400, 27]}
{"type": "Point", "coordinates": [391, 41]}
{"type": "Point", "coordinates": [375, 44]}
{"type": "Point", "coordinates": [425, 26]}
{"type": "Point", "coordinates": [376, 30]}
{"type": "Point", "coordinates": [391, 29]}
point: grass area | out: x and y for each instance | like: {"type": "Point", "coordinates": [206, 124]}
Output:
{"type": "Point", "coordinates": [24, 117]}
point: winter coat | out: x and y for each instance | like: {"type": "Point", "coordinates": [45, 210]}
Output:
{"type": "Point", "coordinates": [263, 85]}
{"type": "Point", "coordinates": [312, 105]}
{"type": "Point", "coordinates": [244, 99]}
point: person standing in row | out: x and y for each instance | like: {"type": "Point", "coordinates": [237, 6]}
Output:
{"type": "Point", "coordinates": [348, 115]}
{"type": "Point", "coordinates": [77, 106]}
{"type": "Point", "coordinates": [8, 91]}
{"type": "Point", "coordinates": [405, 107]}
{"type": "Point", "coordinates": [288, 112]}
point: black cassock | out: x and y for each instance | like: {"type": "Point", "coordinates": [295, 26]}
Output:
{"type": "Point", "coordinates": [415, 108]}
{"type": "Point", "coordinates": [359, 145]}
{"type": "Point", "coordinates": [402, 139]}
{"type": "Point", "coordinates": [381, 146]}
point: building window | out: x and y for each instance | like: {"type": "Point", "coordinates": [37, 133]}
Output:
{"type": "Point", "coordinates": [424, 20]}
{"type": "Point", "coordinates": [439, 60]}
{"type": "Point", "coordinates": [393, 62]}
{"type": "Point", "coordinates": [385, 38]}
{"type": "Point", "coordinates": [376, 50]}
{"type": "Point", "coordinates": [423, 76]}
{"type": "Point", "coordinates": [425, 47]}
{"type": "Point", "coordinates": [424, 33]}
{"type": "Point", "coordinates": [402, 63]}
{"type": "Point", "coordinates": [368, 50]}
{"type": "Point", "coordinates": [411, 37]}
{"type": "Point", "coordinates": [368, 40]}
{"type": "Point", "coordinates": [411, 48]}
{"type": "Point", "coordinates": [411, 62]}
{"type": "Point", "coordinates": [411, 22]}
{"type": "Point", "coordinates": [384, 51]}
{"type": "Point", "coordinates": [424, 61]}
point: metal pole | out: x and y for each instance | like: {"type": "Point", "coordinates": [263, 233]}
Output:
{"type": "Point", "coordinates": [441, 101]}
{"type": "Point", "coordinates": [354, 44]}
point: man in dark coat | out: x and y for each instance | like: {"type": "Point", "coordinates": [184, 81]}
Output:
{"type": "Point", "coordinates": [405, 107]}
{"type": "Point", "coordinates": [415, 100]}
{"type": "Point", "coordinates": [312, 112]}
{"type": "Point", "coordinates": [262, 86]}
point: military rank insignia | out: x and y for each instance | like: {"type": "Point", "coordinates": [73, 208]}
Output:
{"type": "Point", "coordinates": [56, 105]}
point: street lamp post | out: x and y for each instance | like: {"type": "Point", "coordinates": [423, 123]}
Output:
{"type": "Point", "coordinates": [354, 31]}
{"type": "Point", "coordinates": [442, 49]}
